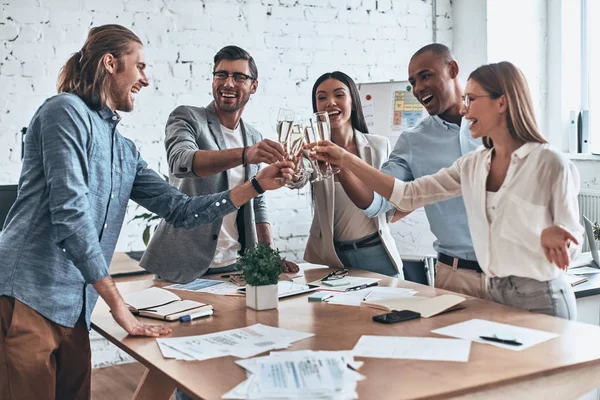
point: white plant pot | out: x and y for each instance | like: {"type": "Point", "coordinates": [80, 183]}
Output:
{"type": "Point", "coordinates": [262, 297]}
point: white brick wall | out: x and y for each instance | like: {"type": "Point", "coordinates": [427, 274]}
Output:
{"type": "Point", "coordinates": [293, 42]}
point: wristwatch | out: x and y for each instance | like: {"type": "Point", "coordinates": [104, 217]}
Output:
{"type": "Point", "coordinates": [256, 185]}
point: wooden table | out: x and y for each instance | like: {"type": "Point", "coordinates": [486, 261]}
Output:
{"type": "Point", "coordinates": [562, 368]}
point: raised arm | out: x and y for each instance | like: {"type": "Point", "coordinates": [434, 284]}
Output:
{"type": "Point", "coordinates": [405, 196]}
{"type": "Point", "coordinates": [187, 159]}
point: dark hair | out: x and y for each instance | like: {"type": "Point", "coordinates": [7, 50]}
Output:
{"type": "Point", "coordinates": [236, 53]}
{"type": "Point", "coordinates": [84, 75]}
{"type": "Point", "coordinates": [357, 117]}
{"type": "Point", "coordinates": [504, 79]}
{"type": "Point", "coordinates": [440, 50]}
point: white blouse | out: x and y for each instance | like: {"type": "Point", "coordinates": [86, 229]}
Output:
{"type": "Point", "coordinates": [540, 190]}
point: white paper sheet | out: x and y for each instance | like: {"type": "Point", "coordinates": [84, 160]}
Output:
{"type": "Point", "coordinates": [206, 286]}
{"type": "Point", "coordinates": [242, 342]}
{"type": "Point", "coordinates": [169, 352]}
{"type": "Point", "coordinates": [355, 297]}
{"type": "Point", "coordinates": [472, 329]}
{"type": "Point", "coordinates": [416, 348]}
{"type": "Point", "coordinates": [348, 282]}
{"type": "Point", "coordinates": [583, 271]}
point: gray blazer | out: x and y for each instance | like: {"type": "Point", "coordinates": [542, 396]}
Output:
{"type": "Point", "coordinates": [178, 255]}
{"type": "Point", "coordinates": [320, 249]}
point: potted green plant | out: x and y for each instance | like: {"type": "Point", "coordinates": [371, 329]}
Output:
{"type": "Point", "coordinates": [261, 267]}
{"type": "Point", "coordinates": [596, 231]}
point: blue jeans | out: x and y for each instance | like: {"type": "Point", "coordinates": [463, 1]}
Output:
{"type": "Point", "coordinates": [374, 259]}
{"type": "Point", "coordinates": [554, 297]}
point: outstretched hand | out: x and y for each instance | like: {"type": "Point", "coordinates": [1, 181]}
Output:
{"type": "Point", "coordinates": [134, 327]}
{"type": "Point", "coordinates": [265, 151]}
{"type": "Point", "coordinates": [276, 175]}
{"type": "Point", "coordinates": [555, 241]}
{"type": "Point", "coordinates": [327, 151]}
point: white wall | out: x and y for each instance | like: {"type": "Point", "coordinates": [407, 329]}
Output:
{"type": "Point", "coordinates": [293, 42]}
{"type": "Point", "coordinates": [469, 39]}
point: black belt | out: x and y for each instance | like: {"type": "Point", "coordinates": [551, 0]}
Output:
{"type": "Point", "coordinates": [466, 264]}
{"type": "Point", "coordinates": [369, 241]}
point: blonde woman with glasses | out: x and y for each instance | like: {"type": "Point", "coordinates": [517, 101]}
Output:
{"type": "Point", "coordinates": [520, 194]}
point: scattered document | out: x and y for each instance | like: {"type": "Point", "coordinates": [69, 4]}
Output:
{"type": "Point", "coordinates": [473, 329]}
{"type": "Point", "coordinates": [356, 297]}
{"type": "Point", "coordinates": [299, 375]}
{"type": "Point", "coordinates": [242, 342]}
{"type": "Point", "coordinates": [583, 271]}
{"type": "Point", "coordinates": [414, 348]}
{"type": "Point", "coordinates": [206, 286]}
{"type": "Point", "coordinates": [340, 285]}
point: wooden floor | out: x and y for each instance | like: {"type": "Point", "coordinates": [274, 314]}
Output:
{"type": "Point", "coordinates": [118, 382]}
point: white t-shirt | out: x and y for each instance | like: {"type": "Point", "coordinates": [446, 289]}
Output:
{"type": "Point", "coordinates": [228, 243]}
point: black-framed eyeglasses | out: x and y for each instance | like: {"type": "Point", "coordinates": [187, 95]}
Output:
{"type": "Point", "coordinates": [337, 274]}
{"type": "Point", "coordinates": [468, 99]}
{"type": "Point", "coordinates": [237, 76]}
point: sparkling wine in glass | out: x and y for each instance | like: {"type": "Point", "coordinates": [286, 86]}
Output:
{"type": "Point", "coordinates": [285, 123]}
{"type": "Point", "coordinates": [323, 130]}
{"type": "Point", "coordinates": [310, 136]}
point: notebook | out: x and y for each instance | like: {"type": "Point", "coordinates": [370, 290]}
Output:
{"type": "Point", "coordinates": [426, 306]}
{"type": "Point", "coordinates": [162, 304]}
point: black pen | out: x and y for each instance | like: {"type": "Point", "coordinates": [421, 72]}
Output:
{"type": "Point", "coordinates": [360, 287]}
{"type": "Point", "coordinates": [503, 341]}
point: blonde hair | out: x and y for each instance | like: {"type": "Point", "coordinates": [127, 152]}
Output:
{"type": "Point", "coordinates": [504, 79]}
{"type": "Point", "coordinates": [84, 75]}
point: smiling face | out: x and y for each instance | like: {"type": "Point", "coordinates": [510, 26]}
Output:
{"type": "Point", "coordinates": [484, 113]}
{"type": "Point", "coordinates": [334, 97]}
{"type": "Point", "coordinates": [433, 82]}
{"type": "Point", "coordinates": [127, 78]}
{"type": "Point", "coordinates": [229, 95]}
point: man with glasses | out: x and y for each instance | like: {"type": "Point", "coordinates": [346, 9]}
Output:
{"type": "Point", "coordinates": [435, 143]}
{"type": "Point", "coordinates": [210, 149]}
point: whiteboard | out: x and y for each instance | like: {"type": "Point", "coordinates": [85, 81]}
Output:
{"type": "Point", "coordinates": [390, 108]}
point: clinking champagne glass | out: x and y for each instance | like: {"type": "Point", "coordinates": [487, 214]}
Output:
{"type": "Point", "coordinates": [294, 149]}
{"type": "Point", "coordinates": [310, 136]}
{"type": "Point", "coordinates": [285, 122]}
{"type": "Point", "coordinates": [323, 130]}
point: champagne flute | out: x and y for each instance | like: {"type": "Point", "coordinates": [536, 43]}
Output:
{"type": "Point", "coordinates": [285, 122]}
{"type": "Point", "coordinates": [310, 136]}
{"type": "Point", "coordinates": [323, 130]}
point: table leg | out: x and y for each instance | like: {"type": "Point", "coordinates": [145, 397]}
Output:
{"type": "Point", "coordinates": [154, 385]}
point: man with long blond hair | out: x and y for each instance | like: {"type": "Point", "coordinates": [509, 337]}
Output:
{"type": "Point", "coordinates": [59, 237]}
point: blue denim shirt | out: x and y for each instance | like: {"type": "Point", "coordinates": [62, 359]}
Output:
{"type": "Point", "coordinates": [78, 174]}
{"type": "Point", "coordinates": [431, 145]}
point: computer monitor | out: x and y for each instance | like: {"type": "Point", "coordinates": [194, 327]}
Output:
{"type": "Point", "coordinates": [8, 195]}
{"type": "Point", "coordinates": [589, 230]}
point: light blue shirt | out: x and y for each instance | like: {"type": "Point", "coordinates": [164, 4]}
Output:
{"type": "Point", "coordinates": [431, 145]}
{"type": "Point", "coordinates": [78, 175]}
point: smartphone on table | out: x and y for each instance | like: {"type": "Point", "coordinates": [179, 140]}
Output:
{"type": "Point", "coordinates": [396, 316]}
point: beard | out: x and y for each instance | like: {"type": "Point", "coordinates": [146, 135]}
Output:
{"type": "Point", "coordinates": [122, 99]}
{"type": "Point", "coordinates": [234, 106]}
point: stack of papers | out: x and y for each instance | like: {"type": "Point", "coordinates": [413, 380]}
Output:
{"type": "Point", "coordinates": [340, 285]}
{"type": "Point", "coordinates": [299, 375]}
{"type": "Point", "coordinates": [355, 297]}
{"type": "Point", "coordinates": [242, 343]}
{"type": "Point", "coordinates": [415, 348]}
{"type": "Point", "coordinates": [206, 286]}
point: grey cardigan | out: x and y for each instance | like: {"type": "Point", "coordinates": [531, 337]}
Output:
{"type": "Point", "coordinates": [178, 255]}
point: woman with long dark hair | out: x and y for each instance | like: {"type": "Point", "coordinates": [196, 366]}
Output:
{"type": "Point", "coordinates": [341, 235]}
